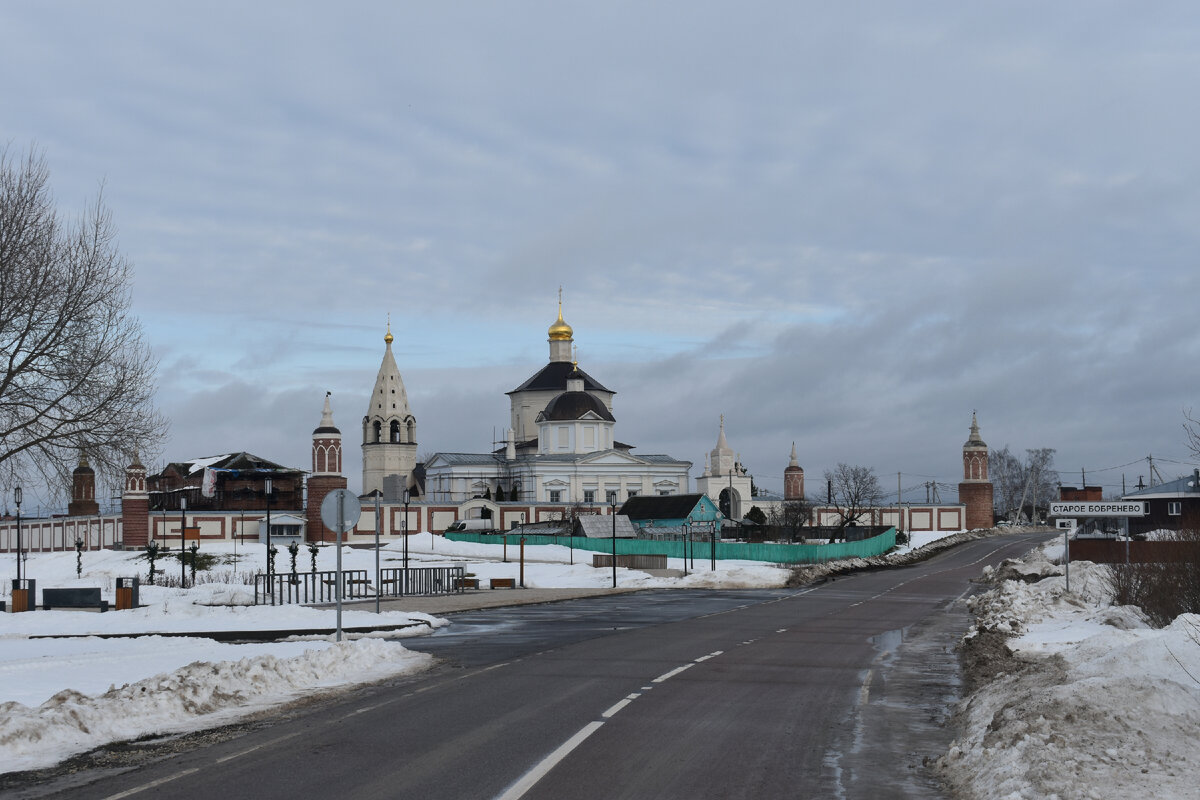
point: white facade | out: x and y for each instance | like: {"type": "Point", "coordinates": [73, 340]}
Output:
{"type": "Point", "coordinates": [389, 432]}
{"type": "Point", "coordinates": [562, 446]}
{"type": "Point", "coordinates": [724, 475]}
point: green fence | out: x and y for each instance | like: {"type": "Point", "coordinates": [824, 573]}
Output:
{"type": "Point", "coordinates": [702, 548]}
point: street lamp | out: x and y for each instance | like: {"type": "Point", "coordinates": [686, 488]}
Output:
{"type": "Point", "coordinates": [182, 542]}
{"type": "Point", "coordinates": [270, 580]}
{"type": "Point", "coordinates": [17, 500]}
{"type": "Point", "coordinates": [612, 507]}
{"type": "Point", "coordinates": [404, 531]}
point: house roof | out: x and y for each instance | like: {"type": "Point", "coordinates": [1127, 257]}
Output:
{"type": "Point", "coordinates": [239, 462]}
{"type": "Point", "coordinates": [668, 506]}
{"type": "Point", "coordinates": [1187, 485]}
{"type": "Point", "coordinates": [553, 376]}
{"type": "Point", "coordinates": [595, 526]}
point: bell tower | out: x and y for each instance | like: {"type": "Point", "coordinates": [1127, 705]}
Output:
{"type": "Point", "coordinates": [135, 506]}
{"type": "Point", "coordinates": [793, 478]}
{"type": "Point", "coordinates": [975, 491]}
{"type": "Point", "coordinates": [389, 432]}
{"type": "Point", "coordinates": [83, 490]}
{"type": "Point", "coordinates": [326, 473]}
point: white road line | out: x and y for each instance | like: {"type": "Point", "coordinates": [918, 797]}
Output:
{"type": "Point", "coordinates": [713, 654]}
{"type": "Point", "coordinates": [530, 779]}
{"type": "Point", "coordinates": [617, 706]}
{"type": "Point", "coordinates": [250, 750]}
{"type": "Point", "coordinates": [668, 675]}
{"type": "Point", "coordinates": [151, 784]}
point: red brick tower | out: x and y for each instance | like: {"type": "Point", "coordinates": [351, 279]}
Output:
{"type": "Point", "coordinates": [83, 491]}
{"type": "Point", "coordinates": [135, 506]}
{"type": "Point", "coordinates": [793, 479]}
{"type": "Point", "coordinates": [975, 491]}
{"type": "Point", "coordinates": [326, 473]}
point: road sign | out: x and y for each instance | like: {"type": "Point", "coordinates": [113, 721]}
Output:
{"type": "Point", "coordinates": [350, 510]}
{"type": "Point", "coordinates": [1133, 508]}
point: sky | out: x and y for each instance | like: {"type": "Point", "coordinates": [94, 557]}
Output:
{"type": "Point", "coordinates": [847, 225]}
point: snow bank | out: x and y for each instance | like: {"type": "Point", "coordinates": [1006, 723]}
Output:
{"type": "Point", "coordinates": [201, 695]}
{"type": "Point", "coordinates": [1090, 701]}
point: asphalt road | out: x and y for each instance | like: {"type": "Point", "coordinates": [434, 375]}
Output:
{"type": "Point", "coordinates": [754, 694]}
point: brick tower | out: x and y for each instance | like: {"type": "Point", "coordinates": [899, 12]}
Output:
{"type": "Point", "coordinates": [975, 491]}
{"type": "Point", "coordinates": [326, 473]}
{"type": "Point", "coordinates": [793, 478]}
{"type": "Point", "coordinates": [135, 507]}
{"type": "Point", "coordinates": [83, 491]}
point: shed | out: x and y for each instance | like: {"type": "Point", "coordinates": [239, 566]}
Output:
{"type": "Point", "coordinates": [671, 510]}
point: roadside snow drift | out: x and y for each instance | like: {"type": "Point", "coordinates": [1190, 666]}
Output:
{"type": "Point", "coordinates": [1094, 703]}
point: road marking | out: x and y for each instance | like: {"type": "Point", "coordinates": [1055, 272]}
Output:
{"type": "Point", "coordinates": [151, 784]}
{"type": "Point", "coordinates": [530, 779]}
{"type": "Point", "coordinates": [249, 750]}
{"type": "Point", "coordinates": [668, 675]}
{"type": "Point", "coordinates": [617, 706]}
{"type": "Point", "coordinates": [714, 654]}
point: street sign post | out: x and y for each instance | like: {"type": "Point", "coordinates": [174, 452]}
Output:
{"type": "Point", "coordinates": [1114, 508]}
{"type": "Point", "coordinates": [340, 510]}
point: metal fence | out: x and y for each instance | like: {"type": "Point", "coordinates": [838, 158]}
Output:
{"type": "Point", "coordinates": [285, 588]}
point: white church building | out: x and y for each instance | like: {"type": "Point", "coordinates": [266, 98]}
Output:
{"type": "Point", "coordinates": [561, 446]}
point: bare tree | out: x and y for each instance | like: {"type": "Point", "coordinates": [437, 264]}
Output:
{"type": "Point", "coordinates": [1191, 429]}
{"type": "Point", "coordinates": [75, 376]}
{"type": "Point", "coordinates": [854, 491]}
{"type": "Point", "coordinates": [1023, 486]}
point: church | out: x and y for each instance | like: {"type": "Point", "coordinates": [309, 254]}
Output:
{"type": "Point", "coordinates": [560, 449]}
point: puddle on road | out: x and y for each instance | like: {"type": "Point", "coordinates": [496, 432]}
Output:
{"type": "Point", "coordinates": [901, 715]}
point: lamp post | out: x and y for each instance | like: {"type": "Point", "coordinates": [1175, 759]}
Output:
{"type": "Point", "coordinates": [17, 500]}
{"type": "Point", "coordinates": [270, 581]}
{"type": "Point", "coordinates": [404, 531]}
{"type": "Point", "coordinates": [182, 542]}
{"type": "Point", "coordinates": [613, 511]}
{"type": "Point", "coordinates": [686, 538]}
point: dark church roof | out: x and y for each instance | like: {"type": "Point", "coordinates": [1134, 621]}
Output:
{"type": "Point", "coordinates": [574, 405]}
{"type": "Point", "coordinates": [554, 376]}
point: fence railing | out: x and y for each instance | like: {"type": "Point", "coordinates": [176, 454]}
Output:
{"type": "Point", "coordinates": [704, 547]}
{"type": "Point", "coordinates": [284, 588]}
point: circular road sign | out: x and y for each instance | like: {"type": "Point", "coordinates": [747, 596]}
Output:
{"type": "Point", "coordinates": [350, 508]}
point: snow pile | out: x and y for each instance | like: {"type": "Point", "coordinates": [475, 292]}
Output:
{"type": "Point", "coordinates": [201, 695]}
{"type": "Point", "coordinates": [1087, 701]}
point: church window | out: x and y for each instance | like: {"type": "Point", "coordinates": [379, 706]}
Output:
{"type": "Point", "coordinates": [555, 495]}
{"type": "Point", "coordinates": [589, 495]}
{"type": "Point", "coordinates": [631, 493]}
{"type": "Point", "coordinates": [395, 431]}
{"type": "Point", "coordinates": [378, 431]}
{"type": "Point", "coordinates": [564, 437]}
{"type": "Point", "coordinates": [610, 496]}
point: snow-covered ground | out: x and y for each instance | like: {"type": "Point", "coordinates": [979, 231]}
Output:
{"type": "Point", "coordinates": [1095, 703]}
{"type": "Point", "coordinates": [59, 697]}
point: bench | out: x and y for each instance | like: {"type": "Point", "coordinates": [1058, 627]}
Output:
{"type": "Point", "coordinates": [466, 583]}
{"type": "Point", "coordinates": [504, 583]}
{"type": "Point", "coordinates": [73, 598]}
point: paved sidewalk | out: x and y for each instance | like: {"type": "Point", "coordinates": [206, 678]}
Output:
{"type": "Point", "coordinates": [473, 599]}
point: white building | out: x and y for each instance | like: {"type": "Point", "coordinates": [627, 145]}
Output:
{"type": "Point", "coordinates": [561, 446]}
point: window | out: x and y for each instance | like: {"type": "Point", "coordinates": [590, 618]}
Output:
{"type": "Point", "coordinates": [664, 492]}
{"type": "Point", "coordinates": [1173, 508]}
{"type": "Point", "coordinates": [589, 495]}
{"type": "Point", "coordinates": [610, 497]}
{"type": "Point", "coordinates": [631, 492]}
{"type": "Point", "coordinates": [555, 495]}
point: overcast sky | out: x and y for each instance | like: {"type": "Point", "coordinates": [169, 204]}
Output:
{"type": "Point", "coordinates": [846, 225]}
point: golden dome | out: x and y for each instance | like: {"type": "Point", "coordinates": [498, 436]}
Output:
{"type": "Point", "coordinates": [560, 331]}
{"type": "Point", "coordinates": [388, 338]}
